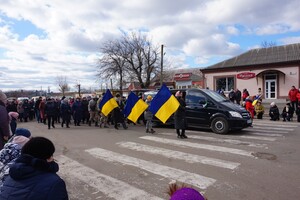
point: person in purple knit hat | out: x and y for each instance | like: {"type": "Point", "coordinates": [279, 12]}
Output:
{"type": "Point", "coordinates": [183, 192]}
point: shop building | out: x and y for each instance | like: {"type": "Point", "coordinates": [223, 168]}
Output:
{"type": "Point", "coordinates": [274, 69]}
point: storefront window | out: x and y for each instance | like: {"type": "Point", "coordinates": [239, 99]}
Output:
{"type": "Point", "coordinates": [225, 83]}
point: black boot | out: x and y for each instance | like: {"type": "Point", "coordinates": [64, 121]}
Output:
{"type": "Point", "coordinates": [152, 131]}
{"type": "Point", "coordinates": [124, 126]}
{"type": "Point", "coordinates": [183, 134]}
{"type": "Point", "coordinates": [90, 123]}
{"type": "Point", "coordinates": [178, 133]}
{"type": "Point", "coordinates": [147, 130]}
{"type": "Point", "coordinates": [96, 124]}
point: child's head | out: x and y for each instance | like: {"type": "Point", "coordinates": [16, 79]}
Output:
{"type": "Point", "coordinates": [23, 132]}
{"type": "Point", "coordinates": [180, 192]}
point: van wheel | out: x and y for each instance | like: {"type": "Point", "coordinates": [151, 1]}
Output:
{"type": "Point", "coordinates": [219, 125]}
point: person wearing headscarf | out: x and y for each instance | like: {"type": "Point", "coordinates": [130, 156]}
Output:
{"type": "Point", "coordinates": [11, 151]}
{"type": "Point", "coordinates": [4, 120]}
{"type": "Point", "coordinates": [34, 174]}
{"type": "Point", "coordinates": [180, 116]}
{"type": "Point", "coordinates": [274, 112]}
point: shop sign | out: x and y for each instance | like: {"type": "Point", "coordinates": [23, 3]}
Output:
{"type": "Point", "coordinates": [182, 76]}
{"type": "Point", "coordinates": [245, 75]}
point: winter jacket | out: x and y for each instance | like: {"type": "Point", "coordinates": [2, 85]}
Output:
{"type": "Point", "coordinates": [298, 96]}
{"type": "Point", "coordinates": [148, 114]}
{"type": "Point", "coordinates": [50, 108]}
{"type": "Point", "coordinates": [293, 94]}
{"type": "Point", "coordinates": [4, 124]}
{"type": "Point", "coordinates": [33, 179]}
{"type": "Point", "coordinates": [8, 154]}
{"type": "Point", "coordinates": [259, 108]}
{"type": "Point", "coordinates": [65, 111]}
{"type": "Point", "coordinates": [274, 112]}
{"type": "Point", "coordinates": [180, 116]}
{"type": "Point", "coordinates": [249, 107]}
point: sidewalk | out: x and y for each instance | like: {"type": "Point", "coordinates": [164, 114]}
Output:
{"type": "Point", "coordinates": [280, 104]}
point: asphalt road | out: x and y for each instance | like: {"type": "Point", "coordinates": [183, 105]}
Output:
{"type": "Point", "coordinates": [261, 162]}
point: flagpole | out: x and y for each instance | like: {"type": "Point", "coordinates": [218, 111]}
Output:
{"type": "Point", "coordinates": [161, 64]}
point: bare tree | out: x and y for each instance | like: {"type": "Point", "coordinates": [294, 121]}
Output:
{"type": "Point", "coordinates": [141, 57]}
{"type": "Point", "coordinates": [266, 44]}
{"type": "Point", "coordinates": [62, 84]}
{"type": "Point", "coordinates": [111, 64]}
{"type": "Point", "coordinates": [132, 57]}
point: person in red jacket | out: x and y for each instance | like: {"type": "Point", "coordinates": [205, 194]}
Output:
{"type": "Point", "coordinates": [249, 107]}
{"type": "Point", "coordinates": [293, 97]}
{"type": "Point", "coordinates": [298, 96]}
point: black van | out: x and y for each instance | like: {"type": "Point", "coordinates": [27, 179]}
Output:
{"type": "Point", "coordinates": [206, 109]}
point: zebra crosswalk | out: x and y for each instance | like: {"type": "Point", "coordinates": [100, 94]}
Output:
{"type": "Point", "coordinates": [233, 151]}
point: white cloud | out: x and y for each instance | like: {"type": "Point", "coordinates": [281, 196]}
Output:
{"type": "Point", "coordinates": [74, 30]}
{"type": "Point", "coordinates": [291, 40]}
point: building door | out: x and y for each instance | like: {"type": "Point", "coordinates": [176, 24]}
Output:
{"type": "Point", "coordinates": [271, 86]}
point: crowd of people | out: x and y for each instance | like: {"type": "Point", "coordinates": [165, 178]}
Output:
{"type": "Point", "coordinates": [253, 104]}
{"type": "Point", "coordinates": [78, 111]}
{"type": "Point", "coordinates": [27, 167]}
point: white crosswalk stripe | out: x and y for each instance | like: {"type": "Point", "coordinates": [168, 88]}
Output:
{"type": "Point", "coordinates": [266, 131]}
{"type": "Point", "coordinates": [199, 146]}
{"type": "Point", "coordinates": [161, 170]}
{"type": "Point", "coordinates": [272, 128]}
{"type": "Point", "coordinates": [266, 134]}
{"type": "Point", "coordinates": [229, 141]}
{"type": "Point", "coordinates": [258, 138]}
{"type": "Point", "coordinates": [111, 187]}
{"type": "Point", "coordinates": [189, 158]}
{"type": "Point", "coordinates": [275, 125]}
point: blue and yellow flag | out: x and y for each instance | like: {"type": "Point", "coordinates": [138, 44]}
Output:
{"type": "Point", "coordinates": [108, 103]}
{"type": "Point", "coordinates": [164, 104]}
{"type": "Point", "coordinates": [134, 107]}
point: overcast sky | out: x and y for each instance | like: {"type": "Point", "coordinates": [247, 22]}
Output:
{"type": "Point", "coordinates": [41, 40]}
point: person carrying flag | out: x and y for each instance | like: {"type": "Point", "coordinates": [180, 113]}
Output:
{"type": "Point", "coordinates": [180, 117]}
{"type": "Point", "coordinates": [118, 114]}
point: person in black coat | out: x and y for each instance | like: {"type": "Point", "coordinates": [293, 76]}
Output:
{"type": "Point", "coordinates": [77, 111]}
{"type": "Point", "coordinates": [180, 116]}
{"type": "Point", "coordinates": [287, 112]}
{"type": "Point", "coordinates": [118, 115]}
{"type": "Point", "coordinates": [65, 112]}
{"type": "Point", "coordinates": [33, 175]}
{"type": "Point", "coordinates": [274, 112]}
{"type": "Point", "coordinates": [238, 96]}
{"type": "Point", "coordinates": [50, 110]}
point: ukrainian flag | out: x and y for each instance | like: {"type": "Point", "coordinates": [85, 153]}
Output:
{"type": "Point", "coordinates": [108, 103]}
{"type": "Point", "coordinates": [134, 107]}
{"type": "Point", "coordinates": [164, 104]}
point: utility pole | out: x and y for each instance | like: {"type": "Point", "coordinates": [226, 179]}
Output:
{"type": "Point", "coordinates": [161, 64]}
{"type": "Point", "coordinates": [78, 85]}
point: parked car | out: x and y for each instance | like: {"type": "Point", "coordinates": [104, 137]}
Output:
{"type": "Point", "coordinates": [206, 109]}
{"type": "Point", "coordinates": [22, 99]}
